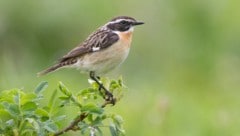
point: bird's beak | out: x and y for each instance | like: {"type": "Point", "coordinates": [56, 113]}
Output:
{"type": "Point", "coordinates": [137, 23]}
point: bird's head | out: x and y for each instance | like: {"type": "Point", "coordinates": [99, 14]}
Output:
{"type": "Point", "coordinates": [122, 24]}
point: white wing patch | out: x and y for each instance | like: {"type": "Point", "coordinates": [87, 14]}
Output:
{"type": "Point", "coordinates": [95, 48]}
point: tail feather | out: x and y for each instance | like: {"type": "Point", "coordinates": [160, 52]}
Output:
{"type": "Point", "coordinates": [49, 70]}
{"type": "Point", "coordinates": [58, 65]}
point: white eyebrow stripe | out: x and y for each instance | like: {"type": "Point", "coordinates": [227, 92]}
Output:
{"type": "Point", "coordinates": [119, 20]}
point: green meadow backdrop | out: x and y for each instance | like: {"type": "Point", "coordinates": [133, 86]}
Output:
{"type": "Point", "coordinates": [182, 73]}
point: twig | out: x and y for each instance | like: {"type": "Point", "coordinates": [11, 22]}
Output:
{"type": "Point", "coordinates": [73, 125]}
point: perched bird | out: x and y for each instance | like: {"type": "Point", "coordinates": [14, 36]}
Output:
{"type": "Point", "coordinates": [102, 51]}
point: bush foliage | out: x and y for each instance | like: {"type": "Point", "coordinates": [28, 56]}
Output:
{"type": "Point", "coordinates": [23, 114]}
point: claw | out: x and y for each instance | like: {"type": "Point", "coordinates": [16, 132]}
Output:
{"type": "Point", "coordinates": [108, 95]}
{"type": "Point", "coordinates": [110, 98]}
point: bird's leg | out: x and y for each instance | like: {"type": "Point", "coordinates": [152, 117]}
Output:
{"type": "Point", "coordinates": [107, 93]}
{"type": "Point", "coordinates": [100, 86]}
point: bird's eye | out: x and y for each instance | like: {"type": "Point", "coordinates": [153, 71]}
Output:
{"type": "Point", "coordinates": [123, 22]}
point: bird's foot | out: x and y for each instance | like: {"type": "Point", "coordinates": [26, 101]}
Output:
{"type": "Point", "coordinates": [109, 98]}
{"type": "Point", "coordinates": [108, 95]}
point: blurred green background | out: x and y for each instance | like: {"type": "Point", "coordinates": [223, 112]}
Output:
{"type": "Point", "coordinates": [183, 71]}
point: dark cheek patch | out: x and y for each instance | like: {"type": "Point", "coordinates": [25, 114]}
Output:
{"type": "Point", "coordinates": [118, 27]}
{"type": "Point", "coordinates": [111, 26]}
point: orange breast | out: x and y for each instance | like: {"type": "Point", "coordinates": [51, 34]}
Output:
{"type": "Point", "coordinates": [126, 38]}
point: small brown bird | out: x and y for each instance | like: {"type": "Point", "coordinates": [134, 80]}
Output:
{"type": "Point", "coordinates": [102, 51]}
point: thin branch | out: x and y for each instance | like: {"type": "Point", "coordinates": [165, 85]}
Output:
{"type": "Point", "coordinates": [74, 124]}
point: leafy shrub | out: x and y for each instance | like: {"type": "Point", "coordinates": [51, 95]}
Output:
{"type": "Point", "coordinates": [21, 113]}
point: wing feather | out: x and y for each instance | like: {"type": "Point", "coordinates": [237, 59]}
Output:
{"type": "Point", "coordinates": [98, 40]}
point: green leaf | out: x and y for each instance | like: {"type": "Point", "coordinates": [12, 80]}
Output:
{"type": "Point", "coordinates": [104, 116]}
{"type": "Point", "coordinates": [4, 115]}
{"type": "Point", "coordinates": [92, 108]}
{"type": "Point", "coordinates": [8, 95]}
{"type": "Point", "coordinates": [86, 91]}
{"type": "Point", "coordinates": [117, 120]}
{"type": "Point", "coordinates": [83, 127]}
{"type": "Point", "coordinates": [13, 109]}
{"type": "Point", "coordinates": [41, 87]}
{"type": "Point", "coordinates": [65, 102]}
{"type": "Point", "coordinates": [113, 130]}
{"type": "Point", "coordinates": [34, 126]}
{"type": "Point", "coordinates": [10, 122]}
{"type": "Point", "coordinates": [17, 98]}
{"type": "Point", "coordinates": [29, 106]}
{"type": "Point", "coordinates": [46, 108]}
{"type": "Point", "coordinates": [99, 131]}
{"type": "Point", "coordinates": [51, 127]}
{"type": "Point", "coordinates": [64, 89]}
{"type": "Point", "coordinates": [41, 112]}
{"type": "Point", "coordinates": [52, 99]}
{"type": "Point", "coordinates": [97, 121]}
{"type": "Point", "coordinates": [60, 118]}
{"type": "Point", "coordinates": [5, 105]}
{"type": "Point", "coordinates": [64, 98]}
{"type": "Point", "coordinates": [90, 117]}
{"type": "Point", "coordinates": [28, 97]}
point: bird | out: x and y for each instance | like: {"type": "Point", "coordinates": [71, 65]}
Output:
{"type": "Point", "coordinates": [102, 51]}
